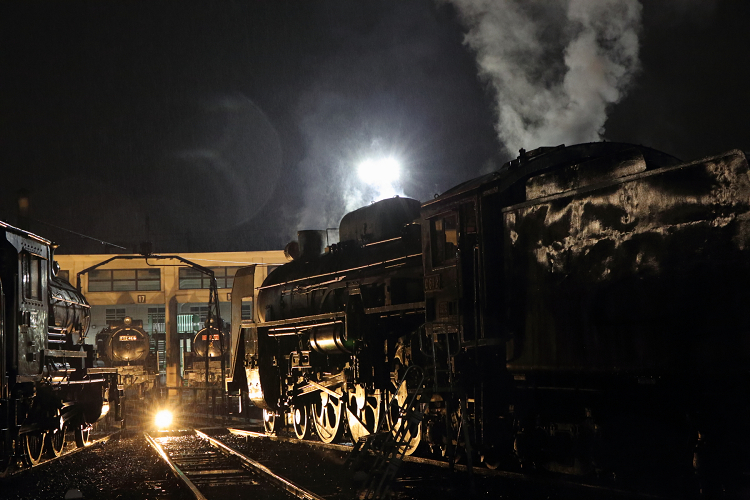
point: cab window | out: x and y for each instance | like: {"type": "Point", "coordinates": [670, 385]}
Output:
{"type": "Point", "coordinates": [31, 270]}
{"type": "Point", "coordinates": [444, 239]}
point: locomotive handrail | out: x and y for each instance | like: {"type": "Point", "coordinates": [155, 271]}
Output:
{"type": "Point", "coordinates": [421, 330]}
{"type": "Point", "coordinates": [414, 394]}
{"type": "Point", "coordinates": [288, 321]}
{"type": "Point", "coordinates": [295, 330]}
{"type": "Point", "coordinates": [342, 271]}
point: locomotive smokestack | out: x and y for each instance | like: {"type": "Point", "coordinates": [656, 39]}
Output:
{"type": "Point", "coordinates": [311, 243]}
{"type": "Point", "coordinates": [555, 67]}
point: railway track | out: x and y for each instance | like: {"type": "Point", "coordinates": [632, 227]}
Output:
{"type": "Point", "coordinates": [427, 478]}
{"type": "Point", "coordinates": [211, 469]}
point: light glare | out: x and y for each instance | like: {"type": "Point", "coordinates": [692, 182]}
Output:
{"type": "Point", "coordinates": [379, 172]}
{"type": "Point", "coordinates": [163, 419]}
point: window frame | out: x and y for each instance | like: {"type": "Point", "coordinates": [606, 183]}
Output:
{"type": "Point", "coordinates": [436, 261]}
{"type": "Point", "coordinates": [136, 280]}
{"type": "Point", "coordinates": [223, 280]}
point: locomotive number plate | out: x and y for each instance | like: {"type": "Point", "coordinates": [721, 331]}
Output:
{"type": "Point", "coordinates": [128, 338]}
{"type": "Point", "coordinates": [432, 283]}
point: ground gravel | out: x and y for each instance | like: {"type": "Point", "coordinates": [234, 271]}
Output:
{"type": "Point", "coordinates": [123, 468]}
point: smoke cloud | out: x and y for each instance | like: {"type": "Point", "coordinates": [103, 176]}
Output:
{"type": "Point", "coordinates": [554, 67]}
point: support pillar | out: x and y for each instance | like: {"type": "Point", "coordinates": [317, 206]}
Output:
{"type": "Point", "coordinates": [173, 348]}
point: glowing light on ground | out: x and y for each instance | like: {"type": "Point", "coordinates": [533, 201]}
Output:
{"type": "Point", "coordinates": [163, 419]}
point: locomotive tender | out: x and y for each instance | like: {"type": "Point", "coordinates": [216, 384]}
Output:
{"type": "Point", "coordinates": [48, 382]}
{"type": "Point", "coordinates": [580, 310]}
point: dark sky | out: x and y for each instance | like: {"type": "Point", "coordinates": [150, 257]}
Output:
{"type": "Point", "coordinates": [219, 126]}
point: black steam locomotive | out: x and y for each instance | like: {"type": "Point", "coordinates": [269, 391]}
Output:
{"type": "Point", "coordinates": [48, 381]}
{"type": "Point", "coordinates": [126, 346]}
{"type": "Point", "coordinates": [580, 310]}
{"type": "Point", "coordinates": [216, 343]}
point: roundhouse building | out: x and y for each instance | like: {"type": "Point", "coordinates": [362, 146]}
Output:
{"type": "Point", "coordinates": [168, 296]}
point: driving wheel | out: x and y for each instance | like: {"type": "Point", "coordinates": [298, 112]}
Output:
{"type": "Point", "coordinates": [56, 442]}
{"type": "Point", "coordinates": [327, 416]}
{"type": "Point", "coordinates": [269, 422]}
{"type": "Point", "coordinates": [83, 436]}
{"type": "Point", "coordinates": [363, 412]}
{"type": "Point", "coordinates": [34, 444]}
{"type": "Point", "coordinates": [301, 421]}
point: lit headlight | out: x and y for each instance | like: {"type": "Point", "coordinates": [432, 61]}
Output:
{"type": "Point", "coordinates": [163, 419]}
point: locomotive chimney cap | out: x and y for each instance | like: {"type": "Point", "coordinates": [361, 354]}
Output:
{"type": "Point", "coordinates": [291, 250]}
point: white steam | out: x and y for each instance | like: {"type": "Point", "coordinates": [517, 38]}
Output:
{"type": "Point", "coordinates": [555, 67]}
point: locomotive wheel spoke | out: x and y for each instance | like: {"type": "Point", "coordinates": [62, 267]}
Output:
{"type": "Point", "coordinates": [364, 414]}
{"type": "Point", "coordinates": [34, 447]}
{"type": "Point", "coordinates": [269, 422]}
{"type": "Point", "coordinates": [301, 422]}
{"type": "Point", "coordinates": [394, 420]}
{"type": "Point", "coordinates": [56, 442]}
{"type": "Point", "coordinates": [328, 418]}
{"type": "Point", "coordinates": [83, 436]}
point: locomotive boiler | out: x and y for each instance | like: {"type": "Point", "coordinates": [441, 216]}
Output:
{"type": "Point", "coordinates": [210, 340]}
{"type": "Point", "coordinates": [48, 382]}
{"type": "Point", "coordinates": [125, 345]}
{"type": "Point", "coordinates": [579, 311]}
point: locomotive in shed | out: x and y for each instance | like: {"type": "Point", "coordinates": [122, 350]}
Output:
{"type": "Point", "coordinates": [125, 345]}
{"type": "Point", "coordinates": [216, 343]}
{"type": "Point", "coordinates": [48, 382]}
{"type": "Point", "coordinates": [580, 310]}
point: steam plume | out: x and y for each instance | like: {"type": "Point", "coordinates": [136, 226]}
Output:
{"type": "Point", "coordinates": [555, 67]}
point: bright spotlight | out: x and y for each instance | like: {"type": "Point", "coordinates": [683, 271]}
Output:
{"type": "Point", "coordinates": [379, 172]}
{"type": "Point", "coordinates": [163, 419]}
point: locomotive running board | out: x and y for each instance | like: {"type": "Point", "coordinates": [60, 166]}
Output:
{"type": "Point", "coordinates": [53, 353]}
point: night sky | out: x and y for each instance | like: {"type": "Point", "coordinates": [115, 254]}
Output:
{"type": "Point", "coordinates": [228, 125]}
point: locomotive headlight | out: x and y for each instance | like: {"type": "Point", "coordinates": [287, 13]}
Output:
{"type": "Point", "coordinates": [379, 172]}
{"type": "Point", "coordinates": [163, 419]}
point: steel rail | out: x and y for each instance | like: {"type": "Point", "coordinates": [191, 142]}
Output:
{"type": "Point", "coordinates": [176, 470]}
{"type": "Point", "coordinates": [280, 481]}
{"type": "Point", "coordinates": [517, 476]}
{"type": "Point", "coordinates": [349, 447]}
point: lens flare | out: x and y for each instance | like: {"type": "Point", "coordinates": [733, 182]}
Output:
{"type": "Point", "coordinates": [163, 419]}
{"type": "Point", "coordinates": [379, 172]}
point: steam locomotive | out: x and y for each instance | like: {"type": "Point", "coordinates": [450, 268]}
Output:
{"type": "Point", "coordinates": [581, 310]}
{"type": "Point", "coordinates": [216, 342]}
{"type": "Point", "coordinates": [126, 346]}
{"type": "Point", "coordinates": [48, 382]}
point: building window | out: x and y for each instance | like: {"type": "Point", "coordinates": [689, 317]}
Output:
{"type": "Point", "coordinates": [114, 316]}
{"type": "Point", "coordinates": [124, 280]}
{"type": "Point", "coordinates": [188, 323]}
{"type": "Point", "coordinates": [156, 320]}
{"type": "Point", "coordinates": [247, 309]}
{"type": "Point", "coordinates": [64, 274]}
{"type": "Point", "coordinates": [201, 312]}
{"type": "Point", "coordinates": [191, 279]}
